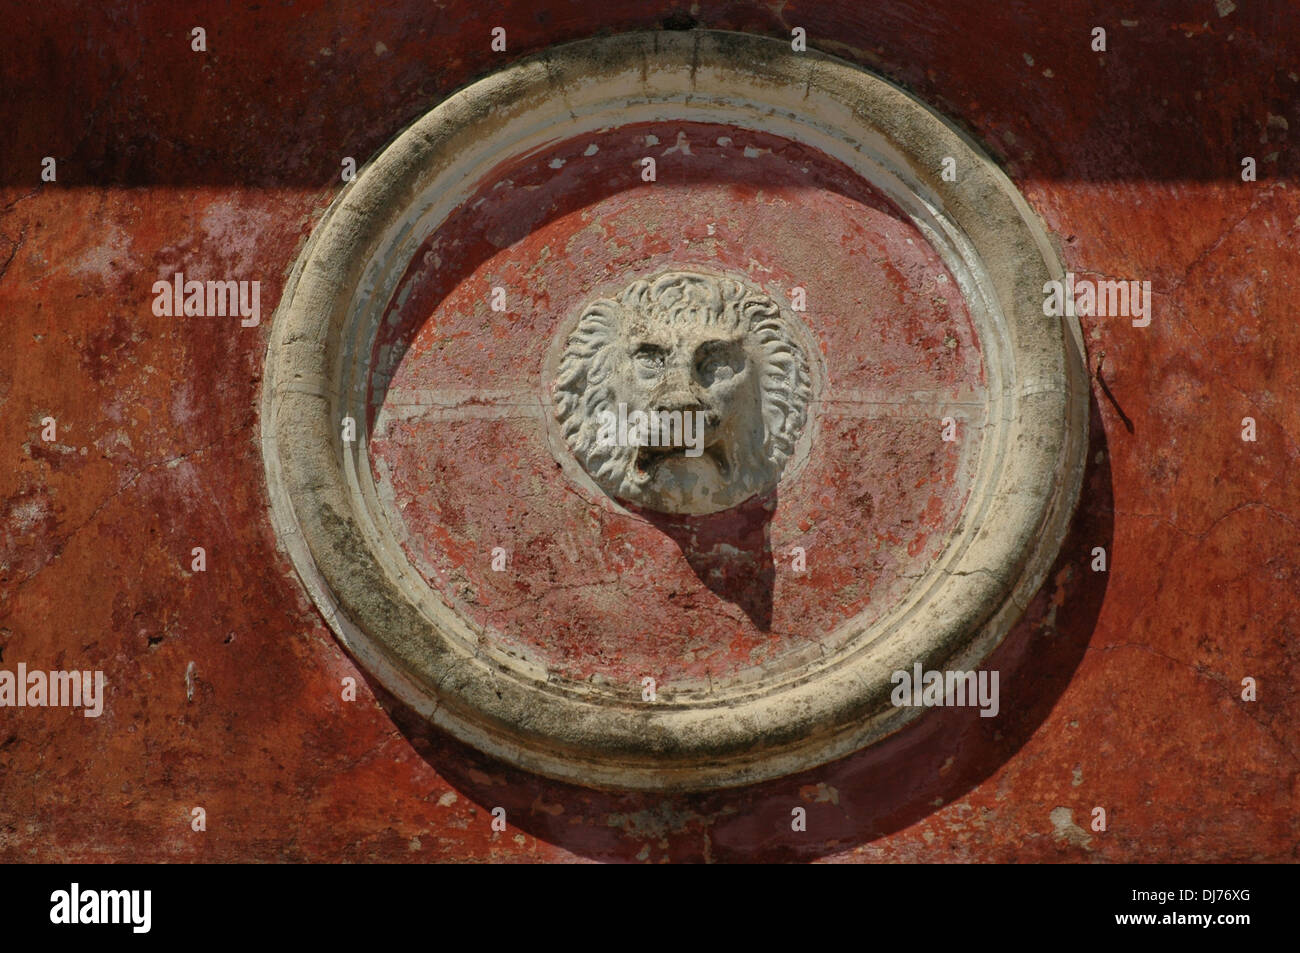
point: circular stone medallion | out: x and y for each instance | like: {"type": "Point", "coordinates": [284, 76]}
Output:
{"type": "Point", "coordinates": [641, 409]}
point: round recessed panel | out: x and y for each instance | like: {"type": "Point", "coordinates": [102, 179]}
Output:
{"type": "Point", "coordinates": [643, 407]}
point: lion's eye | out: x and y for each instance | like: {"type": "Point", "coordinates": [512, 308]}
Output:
{"type": "Point", "coordinates": [717, 364]}
{"type": "Point", "coordinates": [649, 358]}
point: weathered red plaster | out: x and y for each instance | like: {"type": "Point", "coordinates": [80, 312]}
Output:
{"type": "Point", "coordinates": [465, 455]}
{"type": "Point", "coordinates": [1120, 689]}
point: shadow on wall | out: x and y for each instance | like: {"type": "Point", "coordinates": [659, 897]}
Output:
{"type": "Point", "coordinates": [124, 99]}
{"type": "Point", "coordinates": [935, 761]}
{"type": "Point", "coordinates": [730, 552]}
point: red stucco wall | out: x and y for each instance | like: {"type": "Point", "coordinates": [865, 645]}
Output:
{"type": "Point", "coordinates": [1121, 689]}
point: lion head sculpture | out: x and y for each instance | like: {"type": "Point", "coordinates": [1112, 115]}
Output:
{"type": "Point", "coordinates": [684, 394]}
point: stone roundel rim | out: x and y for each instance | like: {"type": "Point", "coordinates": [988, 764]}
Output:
{"type": "Point", "coordinates": [329, 520]}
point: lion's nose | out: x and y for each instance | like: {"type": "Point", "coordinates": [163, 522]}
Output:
{"type": "Point", "coordinates": [675, 392]}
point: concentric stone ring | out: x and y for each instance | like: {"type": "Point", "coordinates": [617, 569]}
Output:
{"type": "Point", "coordinates": [425, 490]}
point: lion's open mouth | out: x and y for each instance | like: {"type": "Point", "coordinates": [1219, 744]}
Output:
{"type": "Point", "coordinates": [649, 459]}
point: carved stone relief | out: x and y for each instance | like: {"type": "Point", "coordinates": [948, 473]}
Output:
{"type": "Point", "coordinates": [683, 394]}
